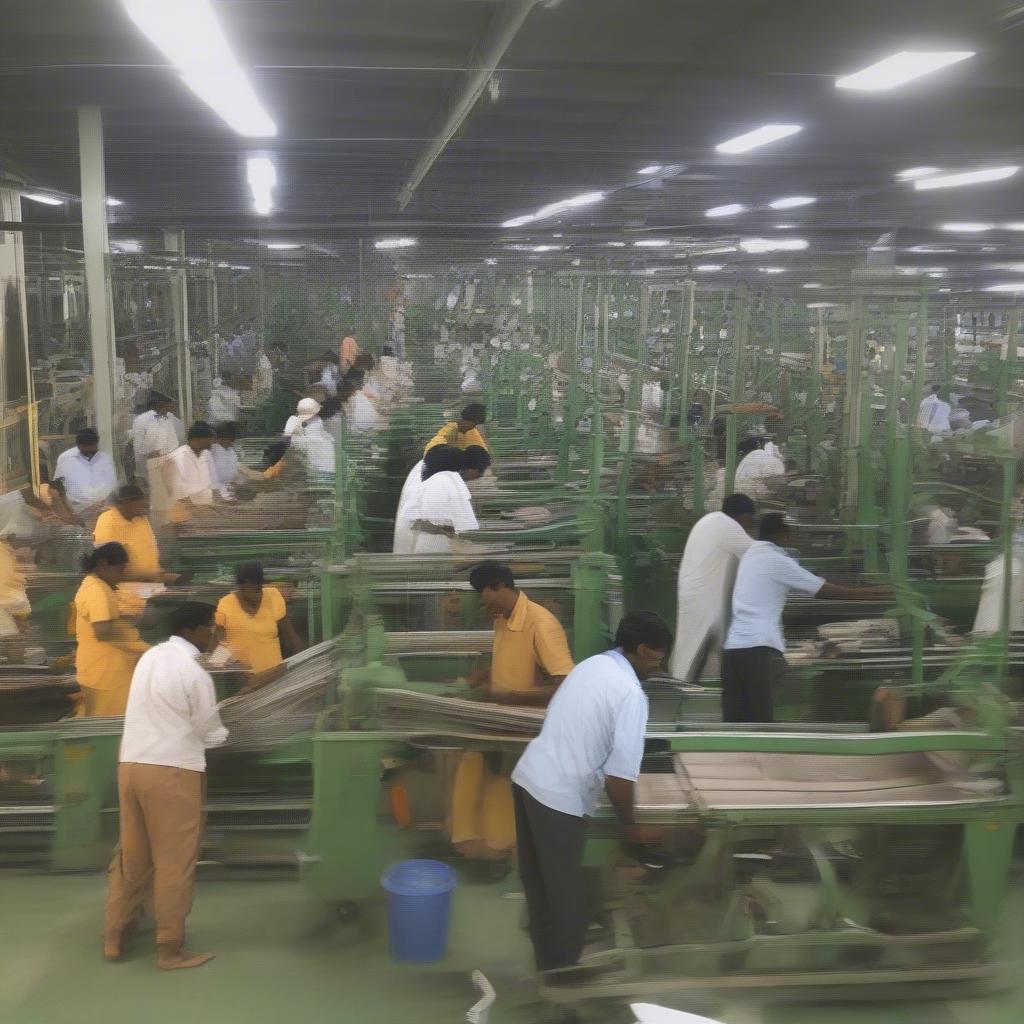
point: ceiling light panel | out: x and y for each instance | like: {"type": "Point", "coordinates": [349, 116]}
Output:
{"type": "Point", "coordinates": [400, 243]}
{"type": "Point", "coordinates": [966, 226]}
{"type": "Point", "coordinates": [916, 172]}
{"type": "Point", "coordinates": [901, 68]}
{"type": "Point", "coordinates": [729, 210]}
{"type": "Point", "coordinates": [791, 202]}
{"type": "Point", "coordinates": [758, 137]}
{"type": "Point", "coordinates": [979, 177]}
{"type": "Point", "coordinates": [39, 197]}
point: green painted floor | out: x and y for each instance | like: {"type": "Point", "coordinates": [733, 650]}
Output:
{"type": "Point", "coordinates": [280, 959]}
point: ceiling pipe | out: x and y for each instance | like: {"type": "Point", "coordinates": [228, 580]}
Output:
{"type": "Point", "coordinates": [500, 38]}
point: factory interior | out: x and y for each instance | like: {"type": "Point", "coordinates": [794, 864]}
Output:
{"type": "Point", "coordinates": [343, 303]}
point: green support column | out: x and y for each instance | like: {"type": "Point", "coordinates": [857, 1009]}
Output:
{"type": "Point", "coordinates": [685, 344]}
{"type": "Point", "coordinates": [920, 357]}
{"type": "Point", "coordinates": [590, 615]}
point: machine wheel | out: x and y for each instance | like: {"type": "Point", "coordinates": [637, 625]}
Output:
{"type": "Point", "coordinates": [348, 911]}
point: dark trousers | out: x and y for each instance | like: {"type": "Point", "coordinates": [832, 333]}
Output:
{"type": "Point", "coordinates": [551, 867]}
{"type": "Point", "coordinates": [749, 677]}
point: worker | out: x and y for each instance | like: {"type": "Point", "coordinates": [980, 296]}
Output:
{"type": "Point", "coordinates": [707, 573]}
{"type": "Point", "coordinates": [324, 370]}
{"type": "Point", "coordinates": [759, 468]}
{"type": "Point", "coordinates": [253, 623]}
{"type": "Point", "coordinates": [593, 736]}
{"type": "Point", "coordinates": [305, 410]}
{"type": "Point", "coordinates": [348, 350]}
{"type": "Point", "coordinates": [89, 475]}
{"type": "Point", "coordinates": [933, 413]}
{"type": "Point", "coordinates": [314, 443]}
{"type": "Point", "coordinates": [360, 414]}
{"type": "Point", "coordinates": [529, 659]}
{"type": "Point", "coordinates": [404, 538]}
{"type": "Point", "coordinates": [54, 497]}
{"type": "Point", "coordinates": [753, 656]}
{"type": "Point", "coordinates": [464, 431]}
{"type": "Point", "coordinates": [443, 508]}
{"type": "Point", "coordinates": [171, 720]}
{"type": "Point", "coordinates": [108, 644]}
{"type": "Point", "coordinates": [155, 434]}
{"type": "Point", "coordinates": [225, 404]}
{"type": "Point", "coordinates": [225, 458]}
{"type": "Point", "coordinates": [190, 475]}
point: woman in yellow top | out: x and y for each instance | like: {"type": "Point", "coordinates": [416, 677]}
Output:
{"type": "Point", "coordinates": [253, 622]}
{"type": "Point", "coordinates": [108, 644]}
{"type": "Point", "coordinates": [462, 433]}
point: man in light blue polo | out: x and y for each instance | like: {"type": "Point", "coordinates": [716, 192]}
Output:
{"type": "Point", "coordinates": [592, 738]}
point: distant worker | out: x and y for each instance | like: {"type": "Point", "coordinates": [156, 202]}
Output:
{"type": "Point", "coordinates": [190, 475]}
{"type": "Point", "coordinates": [89, 475]}
{"type": "Point", "coordinates": [305, 410]}
{"type": "Point", "coordinates": [155, 434]}
{"type": "Point", "coordinates": [707, 573]}
{"type": "Point", "coordinates": [253, 623]}
{"type": "Point", "coordinates": [463, 432]}
{"type": "Point", "coordinates": [753, 657]}
{"type": "Point", "coordinates": [348, 350]}
{"type": "Point", "coordinates": [225, 458]}
{"type": "Point", "coordinates": [108, 644]}
{"type": "Point", "coordinates": [225, 404]}
{"type": "Point", "coordinates": [760, 466]}
{"type": "Point", "coordinates": [402, 543]}
{"type": "Point", "coordinates": [360, 414]}
{"type": "Point", "coordinates": [933, 414]}
{"type": "Point", "coordinates": [171, 720]}
{"type": "Point", "coordinates": [592, 738]}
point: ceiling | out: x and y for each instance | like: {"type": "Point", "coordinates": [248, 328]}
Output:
{"type": "Point", "coordinates": [588, 92]}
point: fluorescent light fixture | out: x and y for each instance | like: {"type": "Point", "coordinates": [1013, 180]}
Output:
{"type": "Point", "coordinates": [491, 261]}
{"type": "Point", "coordinates": [791, 202]}
{"type": "Point", "coordinates": [965, 178]}
{"type": "Point", "coordinates": [822, 305]}
{"type": "Point", "coordinates": [708, 267]}
{"type": "Point", "coordinates": [1016, 286]}
{"type": "Point", "coordinates": [758, 137]}
{"type": "Point", "coordinates": [546, 248]}
{"type": "Point", "coordinates": [564, 205]}
{"type": "Point", "coordinates": [129, 245]}
{"type": "Point", "coordinates": [114, 202]}
{"type": "Point", "coordinates": [284, 246]}
{"type": "Point", "coordinates": [729, 210]}
{"type": "Point", "coordinates": [916, 172]}
{"type": "Point", "coordinates": [238, 266]}
{"type": "Point", "coordinates": [616, 245]}
{"type": "Point", "coordinates": [881, 248]}
{"type": "Point", "coordinates": [188, 33]}
{"type": "Point", "coordinates": [39, 197]}
{"type": "Point", "coordinates": [929, 249]}
{"type": "Point", "coordinates": [262, 177]}
{"type": "Point", "coordinates": [518, 222]}
{"type": "Point", "coordinates": [756, 245]}
{"type": "Point", "coordinates": [966, 225]}
{"type": "Point", "coordinates": [945, 289]}
{"type": "Point", "coordinates": [652, 243]}
{"type": "Point", "coordinates": [1014, 226]}
{"type": "Point", "coordinates": [650, 169]}
{"type": "Point", "coordinates": [772, 270]}
{"type": "Point", "coordinates": [901, 68]}
{"type": "Point", "coordinates": [576, 262]}
{"type": "Point", "coordinates": [812, 284]}
{"type": "Point", "coordinates": [784, 227]}
{"type": "Point", "coordinates": [721, 251]}
{"type": "Point", "coordinates": [395, 243]}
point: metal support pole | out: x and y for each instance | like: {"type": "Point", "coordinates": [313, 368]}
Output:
{"type": "Point", "coordinates": [97, 271]}
{"type": "Point", "coordinates": [686, 321]}
{"type": "Point", "coordinates": [854, 385]}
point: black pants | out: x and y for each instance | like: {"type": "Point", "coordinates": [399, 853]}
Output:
{"type": "Point", "coordinates": [749, 677]}
{"type": "Point", "coordinates": [551, 866]}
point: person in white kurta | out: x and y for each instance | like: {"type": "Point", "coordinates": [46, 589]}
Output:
{"type": "Point", "coordinates": [404, 539]}
{"type": "Point", "coordinates": [155, 434]}
{"type": "Point", "coordinates": [756, 471]}
{"type": "Point", "coordinates": [225, 405]}
{"type": "Point", "coordinates": [707, 573]}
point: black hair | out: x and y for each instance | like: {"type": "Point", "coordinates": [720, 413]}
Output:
{"type": "Point", "coordinates": [638, 628]}
{"type": "Point", "coordinates": [87, 436]}
{"type": "Point", "coordinates": [191, 615]}
{"type": "Point", "coordinates": [129, 492]}
{"type": "Point", "coordinates": [388, 350]}
{"type": "Point", "coordinates": [200, 429]}
{"type": "Point", "coordinates": [475, 413]}
{"type": "Point", "coordinates": [364, 361]}
{"type": "Point", "coordinates": [771, 526]}
{"type": "Point", "coordinates": [749, 444]}
{"type": "Point", "coordinates": [159, 398]}
{"type": "Point", "coordinates": [328, 357]}
{"type": "Point", "coordinates": [275, 452]}
{"type": "Point", "coordinates": [442, 458]}
{"type": "Point", "coordinates": [227, 431]}
{"type": "Point", "coordinates": [59, 485]}
{"type": "Point", "coordinates": [109, 554]}
{"type": "Point", "coordinates": [330, 407]}
{"type": "Point", "coordinates": [250, 572]}
{"type": "Point", "coordinates": [355, 377]}
{"type": "Point", "coordinates": [346, 389]}
{"type": "Point", "coordinates": [476, 457]}
{"type": "Point", "coordinates": [489, 574]}
{"type": "Point", "coordinates": [736, 505]}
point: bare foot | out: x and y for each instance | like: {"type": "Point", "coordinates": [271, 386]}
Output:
{"type": "Point", "coordinates": [182, 959]}
{"type": "Point", "coordinates": [115, 943]}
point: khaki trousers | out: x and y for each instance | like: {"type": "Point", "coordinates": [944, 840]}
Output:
{"type": "Point", "coordinates": [161, 829]}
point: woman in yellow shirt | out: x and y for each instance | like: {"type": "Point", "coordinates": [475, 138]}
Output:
{"type": "Point", "coordinates": [108, 644]}
{"type": "Point", "coordinates": [253, 622]}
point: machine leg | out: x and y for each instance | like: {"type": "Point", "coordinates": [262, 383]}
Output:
{"type": "Point", "coordinates": [988, 846]}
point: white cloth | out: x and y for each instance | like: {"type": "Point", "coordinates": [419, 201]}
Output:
{"type": "Point", "coordinates": [292, 427]}
{"type": "Point", "coordinates": [315, 445]}
{"type": "Point", "coordinates": [15, 518]}
{"type": "Point", "coordinates": [225, 405]}
{"type": "Point", "coordinates": [87, 481]}
{"type": "Point", "coordinates": [764, 579]}
{"type": "Point", "coordinates": [191, 477]}
{"type": "Point", "coordinates": [360, 415]}
{"type": "Point", "coordinates": [172, 714]}
{"type": "Point", "coordinates": [707, 573]}
{"type": "Point", "coordinates": [990, 604]}
{"type": "Point", "coordinates": [264, 374]}
{"type": "Point", "coordinates": [933, 414]}
{"type": "Point", "coordinates": [405, 539]}
{"type": "Point", "coordinates": [594, 727]}
{"type": "Point", "coordinates": [652, 398]}
{"type": "Point", "coordinates": [329, 379]}
{"type": "Point", "coordinates": [754, 472]}
{"type": "Point", "coordinates": [155, 435]}
{"type": "Point", "coordinates": [443, 500]}
{"type": "Point", "coordinates": [942, 526]}
{"type": "Point", "coordinates": [225, 463]}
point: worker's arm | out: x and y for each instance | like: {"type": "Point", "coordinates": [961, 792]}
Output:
{"type": "Point", "coordinates": [108, 633]}
{"type": "Point", "coordinates": [291, 642]}
{"type": "Point", "coordinates": [621, 794]}
{"type": "Point", "coordinates": [835, 592]}
{"type": "Point", "coordinates": [425, 526]}
{"type": "Point", "coordinates": [480, 676]}
{"type": "Point", "coordinates": [538, 696]}
{"type": "Point", "coordinates": [622, 767]}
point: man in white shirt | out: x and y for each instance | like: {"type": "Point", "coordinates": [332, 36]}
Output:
{"type": "Point", "coordinates": [753, 658]}
{"type": "Point", "coordinates": [190, 475]}
{"type": "Point", "coordinates": [89, 475]}
{"type": "Point", "coordinates": [155, 434]}
{"type": "Point", "coordinates": [707, 572]}
{"type": "Point", "coordinates": [225, 404]}
{"type": "Point", "coordinates": [225, 458]}
{"type": "Point", "coordinates": [758, 468]}
{"type": "Point", "coordinates": [933, 413]}
{"type": "Point", "coordinates": [592, 738]}
{"type": "Point", "coordinates": [170, 720]}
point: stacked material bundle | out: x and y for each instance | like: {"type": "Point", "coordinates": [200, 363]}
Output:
{"type": "Point", "coordinates": [405, 710]}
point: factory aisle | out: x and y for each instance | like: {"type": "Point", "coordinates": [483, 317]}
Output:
{"type": "Point", "coordinates": [279, 958]}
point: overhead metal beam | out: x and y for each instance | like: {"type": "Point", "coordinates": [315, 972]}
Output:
{"type": "Point", "coordinates": [503, 30]}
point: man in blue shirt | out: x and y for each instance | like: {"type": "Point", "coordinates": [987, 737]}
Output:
{"type": "Point", "coordinates": [592, 738]}
{"type": "Point", "coordinates": [753, 656]}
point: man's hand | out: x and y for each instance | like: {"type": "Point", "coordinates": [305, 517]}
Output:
{"type": "Point", "coordinates": [169, 577]}
{"type": "Point", "coordinates": [257, 680]}
{"type": "Point", "coordinates": [480, 676]}
{"type": "Point", "coordinates": [644, 834]}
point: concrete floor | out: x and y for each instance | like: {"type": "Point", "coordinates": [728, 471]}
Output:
{"type": "Point", "coordinates": [279, 958]}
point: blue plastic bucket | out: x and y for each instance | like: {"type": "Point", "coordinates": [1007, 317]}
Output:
{"type": "Point", "coordinates": [419, 909]}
